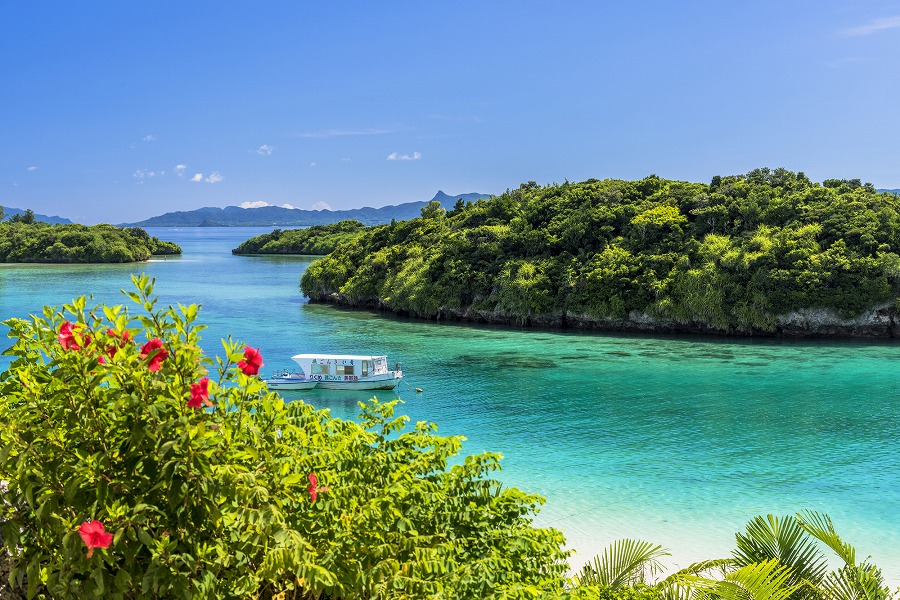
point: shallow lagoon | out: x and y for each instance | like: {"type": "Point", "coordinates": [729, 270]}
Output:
{"type": "Point", "coordinates": [672, 439]}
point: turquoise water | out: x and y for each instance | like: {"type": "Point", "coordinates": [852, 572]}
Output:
{"type": "Point", "coordinates": [672, 439]}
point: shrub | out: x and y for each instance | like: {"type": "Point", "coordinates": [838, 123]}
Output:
{"type": "Point", "coordinates": [208, 486]}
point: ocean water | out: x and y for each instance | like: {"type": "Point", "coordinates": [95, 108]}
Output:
{"type": "Point", "coordinates": [676, 440]}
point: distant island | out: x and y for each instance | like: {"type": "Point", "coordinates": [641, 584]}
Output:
{"type": "Point", "coordinates": [11, 213]}
{"type": "Point", "coordinates": [318, 239]}
{"type": "Point", "coordinates": [766, 253]}
{"type": "Point", "coordinates": [24, 239]}
{"type": "Point", "coordinates": [276, 216]}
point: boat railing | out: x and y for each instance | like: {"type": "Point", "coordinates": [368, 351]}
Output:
{"type": "Point", "coordinates": [287, 374]}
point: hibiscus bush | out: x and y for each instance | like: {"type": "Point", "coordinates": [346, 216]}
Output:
{"type": "Point", "coordinates": [138, 467]}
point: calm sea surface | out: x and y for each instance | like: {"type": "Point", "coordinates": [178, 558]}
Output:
{"type": "Point", "coordinates": [675, 440]}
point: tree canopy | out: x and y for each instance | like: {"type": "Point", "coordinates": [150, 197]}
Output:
{"type": "Point", "coordinates": [24, 240]}
{"type": "Point", "coordinates": [318, 239]}
{"type": "Point", "coordinates": [727, 256]}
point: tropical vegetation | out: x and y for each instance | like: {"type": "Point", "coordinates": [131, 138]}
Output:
{"type": "Point", "coordinates": [733, 255]}
{"type": "Point", "coordinates": [135, 466]}
{"type": "Point", "coordinates": [23, 239]}
{"type": "Point", "coordinates": [318, 239]}
{"type": "Point", "coordinates": [776, 558]}
{"type": "Point", "coordinates": [208, 486]}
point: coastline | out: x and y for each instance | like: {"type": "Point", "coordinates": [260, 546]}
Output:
{"type": "Point", "coordinates": [806, 323]}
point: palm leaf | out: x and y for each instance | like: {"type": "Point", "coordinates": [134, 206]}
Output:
{"type": "Point", "coordinates": [821, 527]}
{"type": "Point", "coordinates": [859, 582]}
{"type": "Point", "coordinates": [785, 540]}
{"type": "Point", "coordinates": [624, 562]}
{"type": "Point", "coordinates": [766, 580]}
{"type": "Point", "coordinates": [678, 585]}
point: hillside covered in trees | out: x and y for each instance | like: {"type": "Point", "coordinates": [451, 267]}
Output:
{"type": "Point", "coordinates": [25, 240]}
{"type": "Point", "coordinates": [318, 239]}
{"type": "Point", "coordinates": [767, 252]}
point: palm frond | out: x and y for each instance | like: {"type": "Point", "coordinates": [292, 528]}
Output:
{"type": "Point", "coordinates": [855, 582]}
{"type": "Point", "coordinates": [785, 540]}
{"type": "Point", "coordinates": [722, 565]}
{"type": "Point", "coordinates": [624, 562]}
{"type": "Point", "coordinates": [820, 527]}
{"type": "Point", "coordinates": [766, 580]}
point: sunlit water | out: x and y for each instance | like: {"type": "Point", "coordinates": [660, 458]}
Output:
{"type": "Point", "coordinates": [676, 440]}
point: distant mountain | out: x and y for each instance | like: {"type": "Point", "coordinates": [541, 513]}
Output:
{"type": "Point", "coordinates": [265, 216]}
{"type": "Point", "coordinates": [891, 191]}
{"type": "Point", "coordinates": [9, 211]}
{"type": "Point", "coordinates": [276, 216]}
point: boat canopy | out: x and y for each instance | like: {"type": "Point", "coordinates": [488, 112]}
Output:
{"type": "Point", "coordinates": [341, 365]}
{"type": "Point", "coordinates": [338, 357]}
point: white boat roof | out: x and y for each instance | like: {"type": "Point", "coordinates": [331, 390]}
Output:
{"type": "Point", "coordinates": [299, 357]}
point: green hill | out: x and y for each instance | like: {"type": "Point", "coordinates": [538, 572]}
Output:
{"type": "Point", "coordinates": [767, 252]}
{"type": "Point", "coordinates": [318, 239]}
{"type": "Point", "coordinates": [35, 242]}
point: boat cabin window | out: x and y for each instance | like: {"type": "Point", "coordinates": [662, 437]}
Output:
{"type": "Point", "coordinates": [365, 368]}
{"type": "Point", "coordinates": [321, 369]}
{"type": "Point", "coordinates": [344, 370]}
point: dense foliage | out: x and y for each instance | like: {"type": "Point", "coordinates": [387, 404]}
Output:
{"type": "Point", "coordinates": [729, 256]}
{"type": "Point", "coordinates": [318, 239]}
{"type": "Point", "coordinates": [134, 466]}
{"type": "Point", "coordinates": [24, 240]}
{"type": "Point", "coordinates": [798, 557]}
{"type": "Point", "coordinates": [139, 468]}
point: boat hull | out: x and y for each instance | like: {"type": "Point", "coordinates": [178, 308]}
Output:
{"type": "Point", "coordinates": [287, 384]}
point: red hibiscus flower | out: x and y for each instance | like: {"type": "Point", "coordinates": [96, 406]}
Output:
{"type": "Point", "coordinates": [94, 535]}
{"type": "Point", "coordinates": [154, 352]}
{"type": "Point", "coordinates": [123, 339]}
{"type": "Point", "coordinates": [252, 361]}
{"type": "Point", "coordinates": [314, 488]}
{"type": "Point", "coordinates": [199, 393]}
{"type": "Point", "coordinates": [66, 336]}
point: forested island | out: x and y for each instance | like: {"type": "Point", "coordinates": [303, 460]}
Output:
{"type": "Point", "coordinates": [26, 240]}
{"type": "Point", "coordinates": [318, 239]}
{"type": "Point", "coordinates": [769, 252]}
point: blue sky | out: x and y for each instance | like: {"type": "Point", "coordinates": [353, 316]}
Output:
{"type": "Point", "coordinates": [118, 111]}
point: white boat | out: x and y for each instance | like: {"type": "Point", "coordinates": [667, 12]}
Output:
{"type": "Point", "coordinates": [348, 372]}
{"type": "Point", "coordinates": [290, 380]}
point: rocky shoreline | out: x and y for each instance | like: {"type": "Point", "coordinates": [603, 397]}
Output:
{"type": "Point", "coordinates": [877, 323]}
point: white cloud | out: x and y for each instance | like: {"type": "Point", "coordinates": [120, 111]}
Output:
{"type": "Point", "coordinates": [145, 173]}
{"type": "Point", "coordinates": [874, 27]}
{"type": "Point", "coordinates": [312, 164]}
{"type": "Point", "coordinates": [343, 132]}
{"type": "Point", "coordinates": [321, 206]}
{"type": "Point", "coordinates": [265, 150]}
{"type": "Point", "coordinates": [179, 170]}
{"type": "Point", "coordinates": [291, 206]}
{"type": "Point", "coordinates": [214, 177]}
{"type": "Point", "coordinates": [398, 156]}
{"type": "Point", "coordinates": [149, 138]}
{"type": "Point", "coordinates": [32, 168]}
{"type": "Point", "coordinates": [257, 204]}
